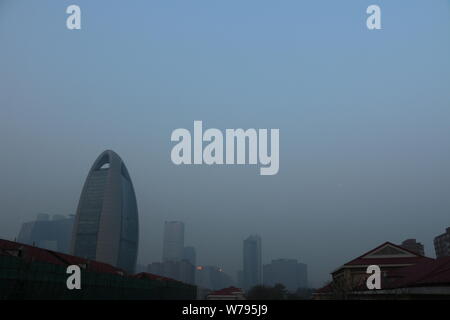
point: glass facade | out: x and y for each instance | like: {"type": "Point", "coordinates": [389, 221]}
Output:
{"type": "Point", "coordinates": [91, 205]}
{"type": "Point", "coordinates": [129, 230]}
{"type": "Point", "coordinates": [107, 226]}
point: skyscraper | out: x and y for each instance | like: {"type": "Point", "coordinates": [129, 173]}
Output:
{"type": "Point", "coordinates": [173, 243]}
{"type": "Point", "coordinates": [106, 226]}
{"type": "Point", "coordinates": [252, 262]}
{"type": "Point", "coordinates": [442, 244]}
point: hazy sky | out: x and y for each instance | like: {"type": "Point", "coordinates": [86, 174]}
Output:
{"type": "Point", "coordinates": [364, 119]}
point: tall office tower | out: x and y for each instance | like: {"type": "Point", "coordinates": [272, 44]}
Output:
{"type": "Point", "coordinates": [106, 226]}
{"type": "Point", "coordinates": [414, 246]}
{"type": "Point", "coordinates": [252, 262]}
{"type": "Point", "coordinates": [52, 234]}
{"type": "Point", "coordinates": [173, 244]}
{"type": "Point", "coordinates": [442, 244]}
{"type": "Point", "coordinates": [189, 255]}
{"type": "Point", "coordinates": [289, 272]}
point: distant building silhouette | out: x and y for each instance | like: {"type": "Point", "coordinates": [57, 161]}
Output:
{"type": "Point", "coordinates": [289, 272]}
{"type": "Point", "coordinates": [442, 244]}
{"type": "Point", "coordinates": [252, 265]}
{"type": "Point", "coordinates": [173, 243]}
{"type": "Point", "coordinates": [414, 246]}
{"type": "Point", "coordinates": [178, 261]}
{"type": "Point", "coordinates": [106, 225]}
{"type": "Point", "coordinates": [52, 234]}
{"type": "Point", "coordinates": [190, 255]}
{"type": "Point", "coordinates": [182, 270]}
{"type": "Point", "coordinates": [240, 278]}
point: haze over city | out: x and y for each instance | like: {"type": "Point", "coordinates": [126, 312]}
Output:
{"type": "Point", "coordinates": [363, 119]}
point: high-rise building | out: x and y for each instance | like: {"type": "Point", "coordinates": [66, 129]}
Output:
{"type": "Point", "coordinates": [289, 272]}
{"type": "Point", "coordinates": [442, 244]}
{"type": "Point", "coordinates": [189, 255]}
{"type": "Point", "coordinates": [252, 266]}
{"type": "Point", "coordinates": [414, 246]}
{"type": "Point", "coordinates": [173, 244]}
{"type": "Point", "coordinates": [52, 234]}
{"type": "Point", "coordinates": [106, 226]}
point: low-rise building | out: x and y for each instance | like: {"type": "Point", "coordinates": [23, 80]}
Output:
{"type": "Point", "coordinates": [349, 280]}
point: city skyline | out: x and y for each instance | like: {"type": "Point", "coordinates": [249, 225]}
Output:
{"type": "Point", "coordinates": [182, 226]}
{"type": "Point", "coordinates": [176, 268]}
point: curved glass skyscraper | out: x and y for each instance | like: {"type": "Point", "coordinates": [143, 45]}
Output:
{"type": "Point", "coordinates": [106, 225]}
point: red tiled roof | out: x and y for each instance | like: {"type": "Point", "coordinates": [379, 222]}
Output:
{"type": "Point", "coordinates": [30, 253]}
{"type": "Point", "coordinates": [384, 261]}
{"type": "Point", "coordinates": [427, 273]}
{"type": "Point", "coordinates": [420, 270]}
{"type": "Point", "coordinates": [388, 261]}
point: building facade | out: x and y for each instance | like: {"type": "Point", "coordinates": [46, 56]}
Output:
{"type": "Point", "coordinates": [190, 255]}
{"type": "Point", "coordinates": [252, 266]}
{"type": "Point", "coordinates": [405, 275]}
{"type": "Point", "coordinates": [173, 243]}
{"type": "Point", "coordinates": [288, 272]}
{"type": "Point", "coordinates": [48, 233]}
{"type": "Point", "coordinates": [106, 225]}
{"type": "Point", "coordinates": [442, 244]}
